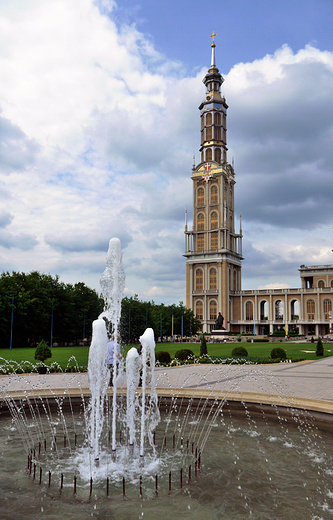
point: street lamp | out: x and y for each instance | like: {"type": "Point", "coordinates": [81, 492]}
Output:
{"type": "Point", "coordinates": [11, 323]}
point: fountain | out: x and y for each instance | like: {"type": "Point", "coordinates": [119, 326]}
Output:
{"type": "Point", "coordinates": [189, 438]}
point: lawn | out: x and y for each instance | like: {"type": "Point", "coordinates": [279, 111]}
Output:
{"type": "Point", "coordinates": [294, 350]}
{"type": "Point", "coordinates": [63, 355]}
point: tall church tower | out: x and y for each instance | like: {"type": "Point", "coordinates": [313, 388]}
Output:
{"type": "Point", "coordinates": [213, 250]}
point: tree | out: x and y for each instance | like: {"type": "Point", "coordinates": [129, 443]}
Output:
{"type": "Point", "coordinates": [43, 351]}
{"type": "Point", "coordinates": [319, 348]}
{"type": "Point", "coordinates": [203, 346]}
{"type": "Point", "coordinates": [37, 298]}
{"type": "Point", "coordinates": [137, 315]}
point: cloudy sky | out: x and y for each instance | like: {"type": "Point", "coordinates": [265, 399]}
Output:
{"type": "Point", "coordinates": [99, 121]}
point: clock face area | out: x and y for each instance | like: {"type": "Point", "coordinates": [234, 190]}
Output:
{"type": "Point", "coordinates": [212, 168]}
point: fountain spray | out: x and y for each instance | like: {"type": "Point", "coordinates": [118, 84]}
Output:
{"type": "Point", "coordinates": [112, 283]}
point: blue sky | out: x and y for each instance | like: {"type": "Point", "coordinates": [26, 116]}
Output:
{"type": "Point", "coordinates": [246, 29]}
{"type": "Point", "coordinates": [99, 121]}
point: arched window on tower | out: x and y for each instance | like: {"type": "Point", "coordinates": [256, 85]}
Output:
{"type": "Point", "coordinates": [327, 308]}
{"type": "Point", "coordinates": [311, 309]}
{"type": "Point", "coordinates": [208, 119]}
{"type": "Point", "coordinates": [214, 194]}
{"type": "Point", "coordinates": [214, 241]}
{"type": "Point", "coordinates": [249, 311]}
{"type": "Point", "coordinates": [213, 278]}
{"type": "Point", "coordinates": [279, 310]}
{"type": "Point", "coordinates": [201, 222]}
{"type": "Point", "coordinates": [201, 197]}
{"type": "Point", "coordinates": [209, 155]}
{"type": "Point", "coordinates": [199, 310]}
{"type": "Point", "coordinates": [201, 242]}
{"type": "Point", "coordinates": [217, 119]}
{"type": "Point", "coordinates": [217, 133]}
{"type": "Point", "coordinates": [212, 310]}
{"type": "Point", "coordinates": [209, 133]}
{"type": "Point", "coordinates": [199, 280]}
{"type": "Point", "coordinates": [321, 284]}
{"type": "Point", "coordinates": [263, 310]}
{"type": "Point", "coordinates": [214, 220]}
{"type": "Point", "coordinates": [235, 280]}
{"type": "Point", "coordinates": [217, 155]}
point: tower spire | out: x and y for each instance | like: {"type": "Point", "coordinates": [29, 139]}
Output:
{"type": "Point", "coordinates": [213, 116]}
{"type": "Point", "coordinates": [213, 50]}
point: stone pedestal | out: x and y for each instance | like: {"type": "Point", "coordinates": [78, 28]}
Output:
{"type": "Point", "coordinates": [222, 335]}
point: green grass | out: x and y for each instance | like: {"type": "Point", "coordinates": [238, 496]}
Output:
{"type": "Point", "coordinates": [255, 350]}
{"type": "Point", "coordinates": [62, 355]}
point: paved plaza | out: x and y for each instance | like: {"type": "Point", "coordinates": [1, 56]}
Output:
{"type": "Point", "coordinates": [307, 384]}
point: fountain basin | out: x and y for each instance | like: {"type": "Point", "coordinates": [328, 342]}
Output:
{"type": "Point", "coordinates": [259, 462]}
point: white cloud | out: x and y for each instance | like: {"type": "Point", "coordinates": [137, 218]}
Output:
{"type": "Point", "coordinates": [274, 286]}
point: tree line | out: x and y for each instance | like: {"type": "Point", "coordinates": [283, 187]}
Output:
{"type": "Point", "coordinates": [33, 306]}
{"type": "Point", "coordinates": [165, 320]}
{"type": "Point", "coordinates": [36, 306]}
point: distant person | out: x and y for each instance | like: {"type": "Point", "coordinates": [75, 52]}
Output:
{"type": "Point", "coordinates": [139, 349]}
{"type": "Point", "coordinates": [110, 357]}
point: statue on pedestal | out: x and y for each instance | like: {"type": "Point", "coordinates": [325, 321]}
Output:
{"type": "Point", "coordinates": [219, 322]}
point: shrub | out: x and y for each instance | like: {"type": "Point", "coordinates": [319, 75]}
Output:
{"type": "Point", "coordinates": [43, 351]}
{"type": "Point", "coordinates": [320, 348]}
{"type": "Point", "coordinates": [312, 339]}
{"type": "Point", "coordinates": [258, 340]}
{"type": "Point", "coordinates": [239, 352]}
{"type": "Point", "coordinates": [203, 346]}
{"type": "Point", "coordinates": [278, 353]}
{"type": "Point", "coordinates": [163, 357]}
{"type": "Point", "coordinates": [184, 353]}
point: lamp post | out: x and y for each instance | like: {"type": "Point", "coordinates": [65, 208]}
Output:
{"type": "Point", "coordinates": [11, 323]}
{"type": "Point", "coordinates": [129, 326]}
{"type": "Point", "coordinates": [84, 330]}
{"type": "Point", "coordinates": [51, 326]}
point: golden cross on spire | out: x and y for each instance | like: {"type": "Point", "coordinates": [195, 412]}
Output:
{"type": "Point", "coordinates": [213, 36]}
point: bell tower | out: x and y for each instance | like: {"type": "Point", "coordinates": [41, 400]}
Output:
{"type": "Point", "coordinates": [213, 250]}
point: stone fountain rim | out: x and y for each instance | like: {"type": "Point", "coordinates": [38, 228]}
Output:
{"type": "Point", "coordinates": [289, 402]}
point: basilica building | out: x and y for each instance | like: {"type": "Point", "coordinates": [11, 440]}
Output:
{"type": "Point", "coordinates": [213, 248]}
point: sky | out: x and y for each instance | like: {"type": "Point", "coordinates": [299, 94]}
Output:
{"type": "Point", "coordinates": [99, 122]}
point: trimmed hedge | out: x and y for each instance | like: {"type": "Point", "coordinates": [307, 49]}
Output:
{"type": "Point", "coordinates": [163, 357]}
{"type": "Point", "coordinates": [259, 340]}
{"type": "Point", "coordinates": [278, 353]}
{"type": "Point", "coordinates": [183, 354]}
{"type": "Point", "coordinates": [320, 348]}
{"type": "Point", "coordinates": [43, 351]}
{"type": "Point", "coordinates": [239, 352]}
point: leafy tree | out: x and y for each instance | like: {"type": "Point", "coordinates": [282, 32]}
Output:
{"type": "Point", "coordinates": [43, 351]}
{"type": "Point", "coordinates": [34, 299]}
{"type": "Point", "coordinates": [137, 315]}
